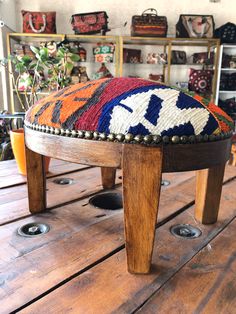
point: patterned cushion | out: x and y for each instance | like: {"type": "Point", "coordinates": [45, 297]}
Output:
{"type": "Point", "coordinates": [121, 106]}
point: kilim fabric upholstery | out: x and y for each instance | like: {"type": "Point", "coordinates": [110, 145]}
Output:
{"type": "Point", "coordinates": [129, 106]}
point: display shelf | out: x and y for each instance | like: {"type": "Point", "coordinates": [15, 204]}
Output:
{"type": "Point", "coordinates": [228, 69]}
{"type": "Point", "coordinates": [170, 72]}
{"type": "Point", "coordinates": [227, 91]}
{"type": "Point", "coordinates": [230, 50]}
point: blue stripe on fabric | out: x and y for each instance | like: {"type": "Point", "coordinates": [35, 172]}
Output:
{"type": "Point", "coordinates": [104, 120]}
{"type": "Point", "coordinates": [186, 102]}
{"type": "Point", "coordinates": [183, 129]}
{"type": "Point", "coordinates": [153, 109]}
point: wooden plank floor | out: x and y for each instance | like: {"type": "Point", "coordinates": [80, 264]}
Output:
{"type": "Point", "coordinates": [80, 265]}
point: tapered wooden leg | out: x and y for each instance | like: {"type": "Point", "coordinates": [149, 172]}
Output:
{"type": "Point", "coordinates": [36, 180]}
{"type": "Point", "coordinates": [208, 192]}
{"type": "Point", "coordinates": [142, 167]}
{"type": "Point", "coordinates": [108, 177]}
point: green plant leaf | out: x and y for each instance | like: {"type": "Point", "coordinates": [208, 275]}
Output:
{"type": "Point", "coordinates": [20, 68]}
{"type": "Point", "coordinates": [34, 49]}
{"type": "Point", "coordinates": [69, 66]}
{"type": "Point", "coordinates": [61, 52]}
{"type": "Point", "coordinates": [26, 60]}
{"type": "Point", "coordinates": [74, 57]}
{"type": "Point", "coordinates": [28, 81]}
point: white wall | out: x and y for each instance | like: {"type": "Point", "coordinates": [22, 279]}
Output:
{"type": "Point", "coordinates": [8, 13]}
{"type": "Point", "coordinates": [122, 10]}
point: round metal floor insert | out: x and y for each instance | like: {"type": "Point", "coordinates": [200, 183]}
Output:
{"type": "Point", "coordinates": [33, 229]}
{"type": "Point", "coordinates": [111, 200]}
{"type": "Point", "coordinates": [165, 182]}
{"type": "Point", "coordinates": [185, 231]}
{"type": "Point", "coordinates": [63, 181]}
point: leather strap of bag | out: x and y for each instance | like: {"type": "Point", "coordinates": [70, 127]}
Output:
{"type": "Point", "coordinates": [150, 9]}
{"type": "Point", "coordinates": [42, 29]}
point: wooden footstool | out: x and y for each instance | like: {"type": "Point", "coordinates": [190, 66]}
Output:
{"type": "Point", "coordinates": [142, 127]}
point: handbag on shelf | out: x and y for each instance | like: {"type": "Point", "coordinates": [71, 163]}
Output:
{"type": "Point", "coordinates": [200, 81]}
{"type": "Point", "coordinates": [39, 22]}
{"type": "Point", "coordinates": [195, 26]}
{"type": "Point", "coordinates": [149, 24]}
{"type": "Point", "coordinates": [229, 106]}
{"type": "Point", "coordinates": [104, 52]}
{"type": "Point", "coordinates": [203, 57]}
{"type": "Point", "coordinates": [156, 77]}
{"type": "Point", "coordinates": [131, 55]}
{"type": "Point", "coordinates": [90, 23]}
{"type": "Point", "coordinates": [228, 82]}
{"type": "Point", "coordinates": [178, 57]}
{"type": "Point", "coordinates": [226, 33]}
{"type": "Point", "coordinates": [156, 58]}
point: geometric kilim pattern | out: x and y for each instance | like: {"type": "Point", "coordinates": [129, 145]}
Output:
{"type": "Point", "coordinates": [129, 105]}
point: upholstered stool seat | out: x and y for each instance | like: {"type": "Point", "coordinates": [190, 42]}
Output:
{"type": "Point", "coordinates": [140, 126]}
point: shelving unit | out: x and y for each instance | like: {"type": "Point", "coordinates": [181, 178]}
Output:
{"type": "Point", "coordinates": [224, 94]}
{"type": "Point", "coordinates": [171, 73]}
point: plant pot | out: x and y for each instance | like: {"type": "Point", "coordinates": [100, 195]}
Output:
{"type": "Point", "coordinates": [18, 148]}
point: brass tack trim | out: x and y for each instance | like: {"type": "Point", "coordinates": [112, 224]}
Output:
{"type": "Point", "coordinates": [147, 139]}
{"type": "Point", "coordinates": [96, 135]}
{"type": "Point", "coordinates": [165, 139]}
{"type": "Point", "coordinates": [111, 137]}
{"type": "Point", "coordinates": [130, 138]}
{"type": "Point", "coordinates": [88, 135]}
{"type": "Point", "coordinates": [103, 136]}
{"type": "Point", "coordinates": [73, 133]}
{"type": "Point", "coordinates": [81, 134]}
{"type": "Point", "coordinates": [175, 139]}
{"type": "Point", "coordinates": [57, 131]}
{"type": "Point", "coordinates": [138, 138]}
{"type": "Point", "coordinates": [68, 132]}
{"type": "Point", "coordinates": [120, 137]}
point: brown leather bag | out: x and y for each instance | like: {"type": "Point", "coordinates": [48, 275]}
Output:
{"type": "Point", "coordinates": [149, 24]}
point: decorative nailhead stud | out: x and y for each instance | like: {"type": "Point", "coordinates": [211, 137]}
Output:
{"type": "Point", "coordinates": [120, 137]}
{"type": "Point", "coordinates": [175, 139]}
{"type": "Point", "coordinates": [68, 132]}
{"type": "Point", "coordinates": [183, 139]}
{"type": "Point", "coordinates": [138, 138]}
{"type": "Point", "coordinates": [103, 136]}
{"type": "Point", "coordinates": [165, 139]}
{"type": "Point", "coordinates": [96, 135]}
{"type": "Point", "coordinates": [147, 139]}
{"type": "Point", "coordinates": [81, 134]}
{"type": "Point", "coordinates": [88, 135]}
{"type": "Point", "coordinates": [57, 131]}
{"type": "Point", "coordinates": [129, 137]}
{"type": "Point", "coordinates": [156, 139]}
{"type": "Point", "coordinates": [111, 137]}
{"type": "Point", "coordinates": [73, 133]}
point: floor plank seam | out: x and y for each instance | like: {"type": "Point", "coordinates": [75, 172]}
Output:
{"type": "Point", "coordinates": [49, 177]}
{"type": "Point", "coordinates": [99, 261]}
{"type": "Point", "coordinates": [69, 279]}
{"type": "Point", "coordinates": [179, 269]}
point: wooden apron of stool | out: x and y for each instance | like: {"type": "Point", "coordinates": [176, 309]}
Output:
{"type": "Point", "coordinates": [142, 171]}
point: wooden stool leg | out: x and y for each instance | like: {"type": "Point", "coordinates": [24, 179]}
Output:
{"type": "Point", "coordinates": [108, 177]}
{"type": "Point", "coordinates": [36, 180]}
{"type": "Point", "coordinates": [208, 192]}
{"type": "Point", "coordinates": [142, 167]}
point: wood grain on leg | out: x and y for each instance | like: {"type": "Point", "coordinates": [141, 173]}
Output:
{"type": "Point", "coordinates": [108, 177]}
{"type": "Point", "coordinates": [36, 181]}
{"type": "Point", "coordinates": [208, 192]}
{"type": "Point", "coordinates": [142, 167]}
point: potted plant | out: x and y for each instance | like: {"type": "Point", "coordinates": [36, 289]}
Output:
{"type": "Point", "coordinates": [33, 74]}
